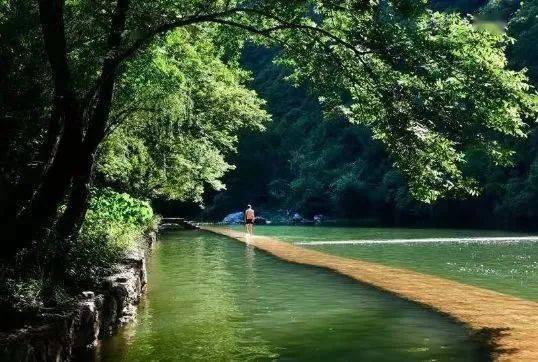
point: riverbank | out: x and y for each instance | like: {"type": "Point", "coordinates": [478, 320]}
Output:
{"type": "Point", "coordinates": [73, 332]}
{"type": "Point", "coordinates": [508, 325]}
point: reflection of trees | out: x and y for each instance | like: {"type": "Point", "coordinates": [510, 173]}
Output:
{"type": "Point", "coordinates": [220, 275]}
{"type": "Point", "coordinates": [197, 304]}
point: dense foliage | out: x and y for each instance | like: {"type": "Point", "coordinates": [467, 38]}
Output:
{"type": "Point", "coordinates": [115, 223]}
{"type": "Point", "coordinates": [334, 168]}
{"type": "Point", "coordinates": [428, 113]}
{"type": "Point", "coordinates": [179, 110]}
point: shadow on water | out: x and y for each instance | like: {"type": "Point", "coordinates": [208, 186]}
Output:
{"type": "Point", "coordinates": [487, 338]}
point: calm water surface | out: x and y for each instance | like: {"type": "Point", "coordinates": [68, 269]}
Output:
{"type": "Point", "coordinates": [213, 299]}
{"type": "Point", "coordinates": [322, 233]}
{"type": "Point", "coordinates": [507, 267]}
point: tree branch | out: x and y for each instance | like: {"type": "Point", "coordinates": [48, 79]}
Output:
{"type": "Point", "coordinates": [311, 28]}
{"type": "Point", "coordinates": [222, 18]}
{"type": "Point", "coordinates": [65, 113]}
{"type": "Point", "coordinates": [120, 117]}
{"type": "Point", "coordinates": [102, 96]}
{"type": "Point", "coordinates": [189, 20]}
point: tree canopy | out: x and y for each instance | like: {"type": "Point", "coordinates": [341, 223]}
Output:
{"type": "Point", "coordinates": [179, 109]}
{"type": "Point", "coordinates": [430, 86]}
{"type": "Point", "coordinates": [163, 76]}
{"type": "Point", "coordinates": [316, 163]}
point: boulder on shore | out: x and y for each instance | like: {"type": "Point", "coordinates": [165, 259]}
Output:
{"type": "Point", "coordinates": [296, 218]}
{"type": "Point", "coordinates": [260, 220]}
{"type": "Point", "coordinates": [234, 218]}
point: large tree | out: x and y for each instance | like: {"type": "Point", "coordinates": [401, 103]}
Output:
{"type": "Point", "coordinates": [429, 85]}
{"type": "Point", "coordinates": [181, 110]}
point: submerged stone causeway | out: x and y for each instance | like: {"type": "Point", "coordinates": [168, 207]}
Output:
{"type": "Point", "coordinates": [507, 324]}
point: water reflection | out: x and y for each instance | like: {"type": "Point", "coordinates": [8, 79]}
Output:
{"type": "Point", "coordinates": [250, 253]}
{"type": "Point", "coordinates": [210, 298]}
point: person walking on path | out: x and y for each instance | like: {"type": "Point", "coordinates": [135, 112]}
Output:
{"type": "Point", "coordinates": [249, 219]}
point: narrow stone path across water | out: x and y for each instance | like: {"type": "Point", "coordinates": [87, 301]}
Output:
{"type": "Point", "coordinates": [508, 324]}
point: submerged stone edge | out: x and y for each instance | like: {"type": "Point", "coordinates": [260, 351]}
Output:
{"type": "Point", "coordinates": [507, 325]}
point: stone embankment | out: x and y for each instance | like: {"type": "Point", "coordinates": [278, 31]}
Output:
{"type": "Point", "coordinates": [72, 334]}
{"type": "Point", "coordinates": [506, 324]}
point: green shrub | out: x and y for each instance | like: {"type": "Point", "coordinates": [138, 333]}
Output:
{"type": "Point", "coordinates": [114, 224]}
{"type": "Point", "coordinates": [113, 207]}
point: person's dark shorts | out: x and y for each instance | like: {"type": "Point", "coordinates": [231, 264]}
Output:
{"type": "Point", "coordinates": [249, 221]}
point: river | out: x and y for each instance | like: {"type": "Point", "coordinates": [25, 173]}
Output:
{"type": "Point", "coordinates": [210, 298]}
{"type": "Point", "coordinates": [502, 261]}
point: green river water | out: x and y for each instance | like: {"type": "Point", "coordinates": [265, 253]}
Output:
{"type": "Point", "coordinates": [509, 267]}
{"type": "Point", "coordinates": [211, 298]}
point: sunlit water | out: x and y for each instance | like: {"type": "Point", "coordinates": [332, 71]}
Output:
{"type": "Point", "coordinates": [322, 233]}
{"type": "Point", "coordinates": [211, 298]}
{"type": "Point", "coordinates": [504, 266]}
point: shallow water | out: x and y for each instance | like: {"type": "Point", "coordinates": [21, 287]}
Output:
{"type": "Point", "coordinates": [322, 233]}
{"type": "Point", "coordinates": [503, 266]}
{"type": "Point", "coordinates": [211, 298]}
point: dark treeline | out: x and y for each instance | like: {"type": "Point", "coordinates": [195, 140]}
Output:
{"type": "Point", "coordinates": [311, 163]}
{"type": "Point", "coordinates": [461, 6]}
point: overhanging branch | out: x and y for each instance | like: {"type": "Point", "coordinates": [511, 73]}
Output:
{"type": "Point", "coordinates": [223, 18]}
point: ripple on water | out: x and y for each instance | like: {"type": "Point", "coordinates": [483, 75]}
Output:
{"type": "Point", "coordinates": [510, 268]}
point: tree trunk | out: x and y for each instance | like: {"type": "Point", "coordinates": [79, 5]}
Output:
{"type": "Point", "coordinates": [77, 205]}
{"type": "Point", "coordinates": [37, 218]}
{"type": "Point", "coordinates": [99, 111]}
{"type": "Point", "coordinates": [73, 216]}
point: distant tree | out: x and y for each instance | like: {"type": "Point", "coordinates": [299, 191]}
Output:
{"type": "Point", "coordinates": [523, 27]}
{"type": "Point", "coordinates": [461, 6]}
{"type": "Point", "coordinates": [499, 10]}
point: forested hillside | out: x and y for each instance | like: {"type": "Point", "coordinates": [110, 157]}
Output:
{"type": "Point", "coordinates": [335, 168]}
